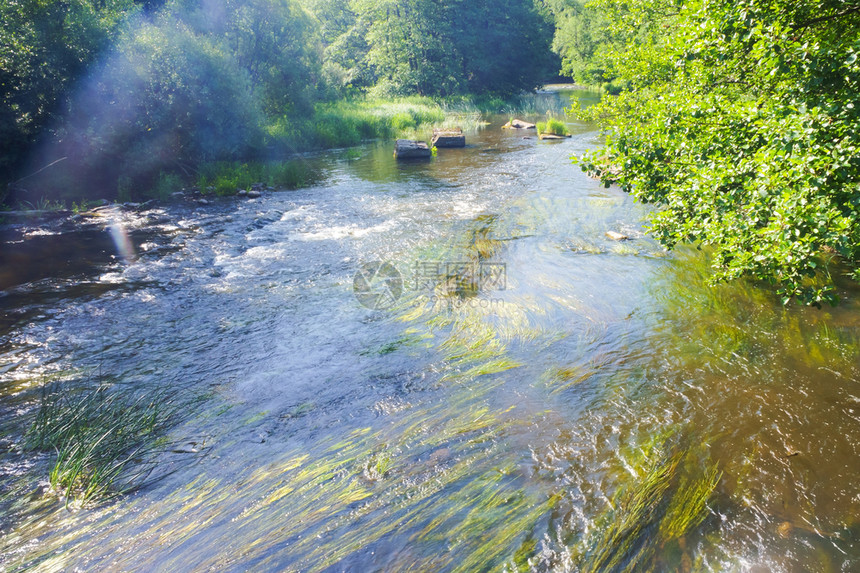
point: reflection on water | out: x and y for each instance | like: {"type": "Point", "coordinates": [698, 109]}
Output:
{"type": "Point", "coordinates": [507, 428]}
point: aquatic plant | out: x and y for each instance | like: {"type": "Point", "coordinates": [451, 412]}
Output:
{"type": "Point", "coordinates": [105, 437]}
{"type": "Point", "coordinates": [664, 502]}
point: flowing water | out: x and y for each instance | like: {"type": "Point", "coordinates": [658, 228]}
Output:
{"type": "Point", "coordinates": [488, 415]}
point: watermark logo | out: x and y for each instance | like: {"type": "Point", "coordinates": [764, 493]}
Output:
{"type": "Point", "coordinates": [460, 277]}
{"type": "Point", "coordinates": [377, 285]}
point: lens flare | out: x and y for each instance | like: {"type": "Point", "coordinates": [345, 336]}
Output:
{"type": "Point", "coordinates": [124, 247]}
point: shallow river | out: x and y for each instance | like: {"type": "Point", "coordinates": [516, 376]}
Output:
{"type": "Point", "coordinates": [492, 405]}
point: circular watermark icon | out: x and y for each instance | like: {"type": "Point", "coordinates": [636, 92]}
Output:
{"type": "Point", "coordinates": [377, 285]}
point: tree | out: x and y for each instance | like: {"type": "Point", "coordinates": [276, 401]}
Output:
{"type": "Point", "coordinates": [581, 31]}
{"type": "Point", "coordinates": [274, 41]}
{"type": "Point", "coordinates": [741, 122]}
{"type": "Point", "coordinates": [194, 82]}
{"type": "Point", "coordinates": [437, 48]}
{"type": "Point", "coordinates": [45, 48]}
{"type": "Point", "coordinates": [411, 47]}
{"type": "Point", "coordinates": [505, 45]}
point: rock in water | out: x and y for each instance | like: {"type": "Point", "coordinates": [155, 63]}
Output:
{"type": "Point", "coordinates": [615, 236]}
{"type": "Point", "coordinates": [448, 138]}
{"type": "Point", "coordinates": [518, 124]}
{"type": "Point", "coordinates": [408, 149]}
{"type": "Point", "coordinates": [552, 136]}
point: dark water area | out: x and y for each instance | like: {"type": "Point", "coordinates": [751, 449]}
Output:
{"type": "Point", "coordinates": [489, 415]}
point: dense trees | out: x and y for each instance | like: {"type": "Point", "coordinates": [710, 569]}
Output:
{"type": "Point", "coordinates": [122, 92]}
{"type": "Point", "coordinates": [45, 47]}
{"type": "Point", "coordinates": [436, 48]}
{"type": "Point", "coordinates": [581, 33]}
{"type": "Point", "coordinates": [742, 122]}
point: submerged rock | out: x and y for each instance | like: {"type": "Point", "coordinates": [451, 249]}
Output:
{"type": "Point", "coordinates": [518, 124]}
{"type": "Point", "coordinates": [408, 149]}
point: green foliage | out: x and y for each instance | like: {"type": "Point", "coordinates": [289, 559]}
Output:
{"type": "Point", "coordinates": [45, 47]}
{"type": "Point", "coordinates": [226, 177]}
{"type": "Point", "coordinates": [553, 127]}
{"type": "Point", "coordinates": [740, 121]}
{"type": "Point", "coordinates": [184, 86]}
{"type": "Point", "coordinates": [435, 48]}
{"type": "Point", "coordinates": [166, 184]}
{"type": "Point", "coordinates": [582, 31]}
{"type": "Point", "coordinates": [124, 189]}
{"type": "Point", "coordinates": [349, 122]}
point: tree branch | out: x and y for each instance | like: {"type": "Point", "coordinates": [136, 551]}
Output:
{"type": "Point", "coordinates": [820, 19]}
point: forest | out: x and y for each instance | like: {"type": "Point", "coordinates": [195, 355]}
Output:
{"type": "Point", "coordinates": [738, 118]}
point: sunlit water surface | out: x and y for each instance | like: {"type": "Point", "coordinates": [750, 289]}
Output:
{"type": "Point", "coordinates": [466, 427]}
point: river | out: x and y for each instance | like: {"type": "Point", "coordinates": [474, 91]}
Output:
{"type": "Point", "coordinates": [437, 366]}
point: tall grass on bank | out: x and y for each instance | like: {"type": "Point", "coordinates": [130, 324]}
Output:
{"type": "Point", "coordinates": [226, 177]}
{"type": "Point", "coordinates": [105, 437]}
{"type": "Point", "coordinates": [349, 122]}
{"type": "Point", "coordinates": [270, 159]}
{"type": "Point", "coordinates": [333, 125]}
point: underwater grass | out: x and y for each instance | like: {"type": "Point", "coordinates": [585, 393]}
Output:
{"type": "Point", "coordinates": [105, 437]}
{"type": "Point", "coordinates": [391, 484]}
{"type": "Point", "coordinates": [664, 503]}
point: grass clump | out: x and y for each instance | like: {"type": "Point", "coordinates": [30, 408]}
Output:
{"type": "Point", "coordinates": [553, 127]}
{"type": "Point", "coordinates": [105, 437]}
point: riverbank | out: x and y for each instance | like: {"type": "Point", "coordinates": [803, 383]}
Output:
{"type": "Point", "coordinates": [276, 161]}
{"type": "Point", "coordinates": [281, 160]}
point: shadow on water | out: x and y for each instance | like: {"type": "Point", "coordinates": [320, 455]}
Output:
{"type": "Point", "coordinates": [540, 398]}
